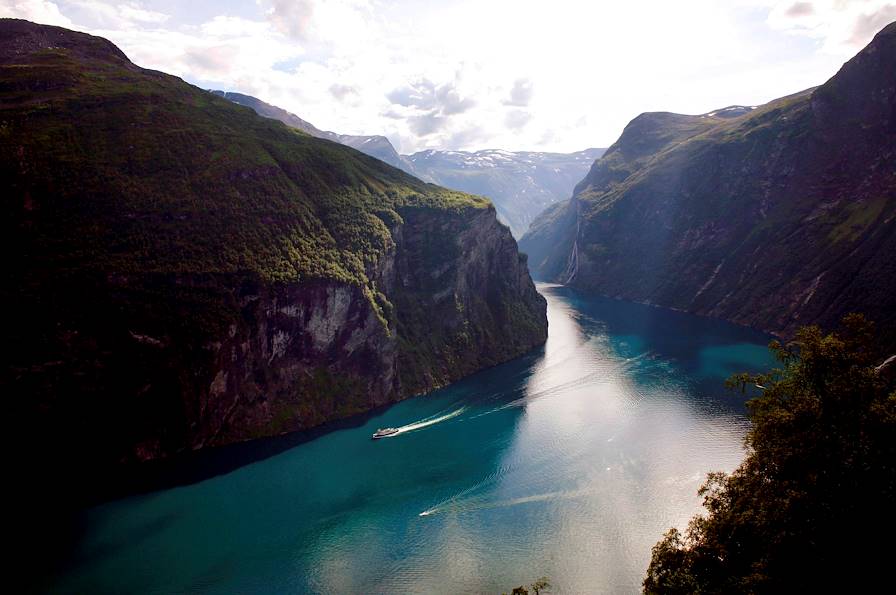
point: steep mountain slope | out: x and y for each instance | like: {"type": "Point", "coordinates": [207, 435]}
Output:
{"type": "Point", "coordinates": [521, 184]}
{"type": "Point", "coordinates": [777, 217]}
{"type": "Point", "coordinates": [375, 146]}
{"type": "Point", "coordinates": [183, 273]}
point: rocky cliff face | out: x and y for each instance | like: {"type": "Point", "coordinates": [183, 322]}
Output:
{"type": "Point", "coordinates": [293, 356]}
{"type": "Point", "coordinates": [773, 217]}
{"type": "Point", "coordinates": [185, 273]}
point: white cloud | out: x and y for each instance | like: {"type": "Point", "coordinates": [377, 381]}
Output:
{"type": "Point", "coordinates": [517, 119]}
{"type": "Point", "coordinates": [520, 94]}
{"type": "Point", "coordinates": [39, 11]}
{"type": "Point", "coordinates": [841, 26]}
{"type": "Point", "coordinates": [292, 17]}
{"type": "Point", "coordinates": [515, 74]}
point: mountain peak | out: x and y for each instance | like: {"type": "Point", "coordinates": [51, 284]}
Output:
{"type": "Point", "coordinates": [863, 92]}
{"type": "Point", "coordinates": [19, 38]}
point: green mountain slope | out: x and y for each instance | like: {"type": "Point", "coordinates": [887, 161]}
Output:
{"type": "Point", "coordinates": [376, 146]}
{"type": "Point", "coordinates": [184, 273]}
{"type": "Point", "coordinates": [519, 183]}
{"type": "Point", "coordinates": [773, 217]}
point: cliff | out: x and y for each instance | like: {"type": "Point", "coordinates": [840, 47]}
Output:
{"type": "Point", "coordinates": [772, 217]}
{"type": "Point", "coordinates": [183, 273]}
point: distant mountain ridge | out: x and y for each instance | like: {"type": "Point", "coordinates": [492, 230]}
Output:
{"type": "Point", "coordinates": [375, 146]}
{"type": "Point", "coordinates": [774, 217]}
{"type": "Point", "coordinates": [521, 184]}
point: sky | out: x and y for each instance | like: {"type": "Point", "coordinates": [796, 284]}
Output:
{"type": "Point", "coordinates": [560, 75]}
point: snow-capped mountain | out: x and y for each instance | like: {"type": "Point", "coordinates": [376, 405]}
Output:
{"type": "Point", "coordinates": [521, 184]}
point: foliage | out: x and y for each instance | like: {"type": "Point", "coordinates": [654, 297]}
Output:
{"type": "Point", "coordinates": [779, 216]}
{"type": "Point", "coordinates": [537, 588]}
{"type": "Point", "coordinates": [148, 222]}
{"type": "Point", "coordinates": [109, 167]}
{"type": "Point", "coordinates": [811, 506]}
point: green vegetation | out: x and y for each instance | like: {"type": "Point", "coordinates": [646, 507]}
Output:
{"type": "Point", "coordinates": [860, 216]}
{"type": "Point", "coordinates": [203, 185]}
{"type": "Point", "coordinates": [537, 588]}
{"type": "Point", "coordinates": [112, 168]}
{"type": "Point", "coordinates": [183, 273]}
{"type": "Point", "coordinates": [773, 217]}
{"type": "Point", "coordinates": [811, 507]}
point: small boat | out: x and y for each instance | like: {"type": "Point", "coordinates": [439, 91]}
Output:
{"type": "Point", "coordinates": [383, 432]}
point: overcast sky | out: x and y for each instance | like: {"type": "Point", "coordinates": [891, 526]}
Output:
{"type": "Point", "coordinates": [556, 75]}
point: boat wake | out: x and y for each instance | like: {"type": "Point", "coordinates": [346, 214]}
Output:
{"type": "Point", "coordinates": [481, 503]}
{"type": "Point", "coordinates": [428, 421]}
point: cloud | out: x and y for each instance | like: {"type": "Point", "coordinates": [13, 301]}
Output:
{"type": "Point", "coordinates": [517, 119]}
{"type": "Point", "coordinates": [426, 124]}
{"type": "Point", "coordinates": [520, 94]}
{"type": "Point", "coordinates": [211, 62]}
{"type": "Point", "coordinates": [800, 9]}
{"type": "Point", "coordinates": [292, 17]}
{"type": "Point", "coordinates": [39, 11]}
{"type": "Point", "coordinates": [427, 105]}
{"type": "Point", "coordinates": [405, 70]}
{"type": "Point", "coordinates": [867, 25]}
{"type": "Point", "coordinates": [111, 15]}
{"type": "Point", "coordinates": [841, 26]}
{"type": "Point", "coordinates": [465, 138]}
{"type": "Point", "coordinates": [425, 95]}
{"type": "Point", "coordinates": [136, 14]}
{"type": "Point", "coordinates": [342, 92]}
{"type": "Point", "coordinates": [451, 102]}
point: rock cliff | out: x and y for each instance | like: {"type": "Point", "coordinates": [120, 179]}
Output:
{"type": "Point", "coordinates": [774, 217]}
{"type": "Point", "coordinates": [185, 273]}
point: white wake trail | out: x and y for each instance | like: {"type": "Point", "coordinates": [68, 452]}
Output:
{"type": "Point", "coordinates": [426, 422]}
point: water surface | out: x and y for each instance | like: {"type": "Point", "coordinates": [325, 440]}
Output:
{"type": "Point", "coordinates": [570, 462]}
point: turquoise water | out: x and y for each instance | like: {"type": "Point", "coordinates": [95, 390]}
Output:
{"type": "Point", "coordinates": [570, 462]}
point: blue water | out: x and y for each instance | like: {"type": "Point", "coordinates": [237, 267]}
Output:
{"type": "Point", "coordinates": [568, 463]}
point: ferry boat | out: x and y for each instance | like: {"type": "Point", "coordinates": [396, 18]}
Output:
{"type": "Point", "coordinates": [383, 432]}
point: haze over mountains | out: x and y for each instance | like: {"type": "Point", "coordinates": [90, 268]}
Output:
{"type": "Point", "coordinates": [521, 184]}
{"type": "Point", "coordinates": [777, 217]}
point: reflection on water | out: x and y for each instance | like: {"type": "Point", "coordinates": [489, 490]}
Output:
{"type": "Point", "coordinates": [570, 462]}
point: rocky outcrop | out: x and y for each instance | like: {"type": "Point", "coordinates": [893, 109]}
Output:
{"type": "Point", "coordinates": [298, 355]}
{"type": "Point", "coordinates": [773, 217]}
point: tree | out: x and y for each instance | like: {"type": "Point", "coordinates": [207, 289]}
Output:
{"type": "Point", "coordinates": [811, 504]}
{"type": "Point", "coordinates": [538, 587]}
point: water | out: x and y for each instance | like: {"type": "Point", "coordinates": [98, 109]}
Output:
{"type": "Point", "coordinates": [570, 463]}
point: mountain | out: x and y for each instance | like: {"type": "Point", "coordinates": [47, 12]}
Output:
{"type": "Point", "coordinates": [772, 217]}
{"type": "Point", "coordinates": [521, 184]}
{"type": "Point", "coordinates": [375, 146]}
{"type": "Point", "coordinates": [182, 273]}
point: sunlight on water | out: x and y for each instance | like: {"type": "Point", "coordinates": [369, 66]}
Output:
{"type": "Point", "coordinates": [570, 462]}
